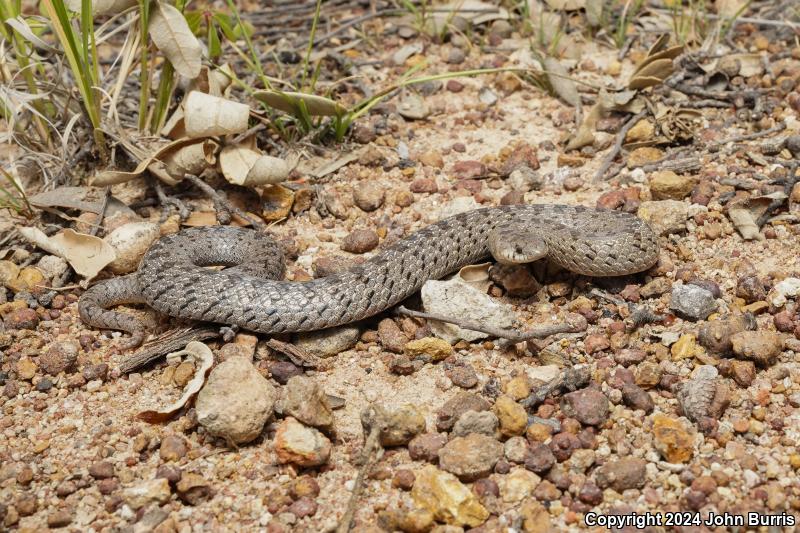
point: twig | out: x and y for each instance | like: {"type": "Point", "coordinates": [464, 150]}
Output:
{"type": "Point", "coordinates": [615, 150]}
{"type": "Point", "coordinates": [788, 184]}
{"type": "Point", "coordinates": [780, 126]}
{"type": "Point", "coordinates": [102, 213]}
{"type": "Point", "coordinates": [223, 206]}
{"type": "Point", "coordinates": [510, 334]}
{"type": "Point", "coordinates": [168, 342]}
{"type": "Point", "coordinates": [373, 423]}
{"type": "Point", "coordinates": [167, 201]}
{"type": "Point", "coordinates": [295, 354]}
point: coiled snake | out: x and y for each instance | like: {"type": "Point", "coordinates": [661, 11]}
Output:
{"type": "Point", "coordinates": [174, 280]}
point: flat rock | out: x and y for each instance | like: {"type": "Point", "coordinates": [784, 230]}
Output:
{"type": "Point", "coordinates": [470, 457]}
{"type": "Point", "coordinates": [328, 342]}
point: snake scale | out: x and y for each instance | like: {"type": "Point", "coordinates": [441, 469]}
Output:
{"type": "Point", "coordinates": [173, 279]}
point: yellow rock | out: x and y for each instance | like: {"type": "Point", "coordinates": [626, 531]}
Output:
{"type": "Point", "coordinates": [674, 442]}
{"type": "Point", "coordinates": [686, 347]}
{"type": "Point", "coordinates": [518, 485]}
{"type": "Point", "coordinates": [518, 388]}
{"type": "Point", "coordinates": [641, 131]}
{"type": "Point", "coordinates": [756, 307]}
{"type": "Point", "coordinates": [27, 280]}
{"type": "Point", "coordinates": [8, 271]}
{"type": "Point", "coordinates": [9, 307]}
{"type": "Point", "coordinates": [276, 202]}
{"type": "Point", "coordinates": [513, 417]}
{"type": "Point", "coordinates": [535, 517]}
{"type": "Point", "coordinates": [644, 155]}
{"type": "Point", "coordinates": [449, 500]}
{"type": "Point", "coordinates": [435, 349]}
{"type": "Point", "coordinates": [26, 369]}
{"type": "Point", "coordinates": [666, 185]}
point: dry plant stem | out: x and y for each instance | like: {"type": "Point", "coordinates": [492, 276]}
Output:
{"type": "Point", "coordinates": [166, 201]}
{"type": "Point", "coordinates": [171, 341]}
{"type": "Point", "coordinates": [788, 185]}
{"type": "Point", "coordinates": [751, 136]}
{"type": "Point", "coordinates": [295, 354]}
{"type": "Point", "coordinates": [102, 214]}
{"type": "Point", "coordinates": [369, 456]}
{"type": "Point", "coordinates": [615, 150]}
{"type": "Point", "coordinates": [509, 334]}
{"type": "Point", "coordinates": [223, 206]}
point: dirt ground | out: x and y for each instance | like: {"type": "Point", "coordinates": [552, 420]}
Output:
{"type": "Point", "coordinates": [675, 400]}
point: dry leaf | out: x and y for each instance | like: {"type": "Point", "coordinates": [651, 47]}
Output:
{"type": "Point", "coordinates": [171, 34]}
{"type": "Point", "coordinates": [157, 164]}
{"type": "Point", "coordinates": [566, 5]}
{"type": "Point", "coordinates": [584, 136]}
{"type": "Point", "coordinates": [86, 254]}
{"type": "Point", "coordinates": [242, 165]}
{"type": "Point", "coordinates": [80, 198]}
{"type": "Point", "coordinates": [594, 12]}
{"type": "Point", "coordinates": [203, 358]}
{"type": "Point", "coordinates": [209, 116]}
{"type": "Point", "coordinates": [561, 83]}
{"type": "Point", "coordinates": [476, 276]}
{"type": "Point", "coordinates": [745, 213]}
{"type": "Point", "coordinates": [475, 11]}
{"type": "Point", "coordinates": [102, 7]}
{"type": "Point", "coordinates": [289, 102]}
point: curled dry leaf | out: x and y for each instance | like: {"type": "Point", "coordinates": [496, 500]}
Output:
{"type": "Point", "coordinates": [203, 358]}
{"type": "Point", "coordinates": [744, 214]}
{"type": "Point", "coordinates": [170, 163]}
{"type": "Point", "coordinates": [243, 165]}
{"type": "Point", "coordinates": [102, 7]}
{"type": "Point", "coordinates": [86, 254]}
{"type": "Point", "coordinates": [563, 86]}
{"type": "Point", "coordinates": [210, 116]}
{"type": "Point", "coordinates": [476, 276]}
{"type": "Point", "coordinates": [656, 66]}
{"type": "Point", "coordinates": [290, 102]}
{"type": "Point", "coordinates": [475, 11]}
{"type": "Point", "coordinates": [171, 34]}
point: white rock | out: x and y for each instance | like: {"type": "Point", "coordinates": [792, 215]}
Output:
{"type": "Point", "coordinates": [456, 298]}
{"type": "Point", "coordinates": [131, 241]}
{"type": "Point", "coordinates": [236, 401]}
{"type": "Point", "coordinates": [458, 205]}
{"type": "Point", "coordinates": [787, 288]}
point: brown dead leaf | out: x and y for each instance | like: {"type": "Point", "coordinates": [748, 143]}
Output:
{"type": "Point", "coordinates": [203, 358]}
{"type": "Point", "coordinates": [211, 116]}
{"type": "Point", "coordinates": [559, 79]}
{"type": "Point", "coordinates": [744, 214]}
{"type": "Point", "coordinates": [171, 34]}
{"type": "Point", "coordinates": [166, 164]}
{"type": "Point", "coordinates": [86, 254]}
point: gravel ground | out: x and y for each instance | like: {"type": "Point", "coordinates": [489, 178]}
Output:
{"type": "Point", "coordinates": [694, 411]}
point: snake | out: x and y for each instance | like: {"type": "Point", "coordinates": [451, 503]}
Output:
{"type": "Point", "coordinates": [174, 277]}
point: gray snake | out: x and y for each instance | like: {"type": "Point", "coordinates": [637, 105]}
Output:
{"type": "Point", "coordinates": [173, 279]}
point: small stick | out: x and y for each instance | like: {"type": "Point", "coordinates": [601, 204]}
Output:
{"type": "Point", "coordinates": [102, 213]}
{"type": "Point", "coordinates": [167, 201]}
{"type": "Point", "coordinates": [615, 150]}
{"type": "Point", "coordinates": [780, 126]}
{"type": "Point", "coordinates": [369, 456]}
{"type": "Point", "coordinates": [510, 334]}
{"type": "Point", "coordinates": [170, 341]}
{"type": "Point", "coordinates": [295, 354]}
{"type": "Point", "coordinates": [223, 206]}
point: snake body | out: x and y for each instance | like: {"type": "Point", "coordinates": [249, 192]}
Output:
{"type": "Point", "coordinates": [174, 280]}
